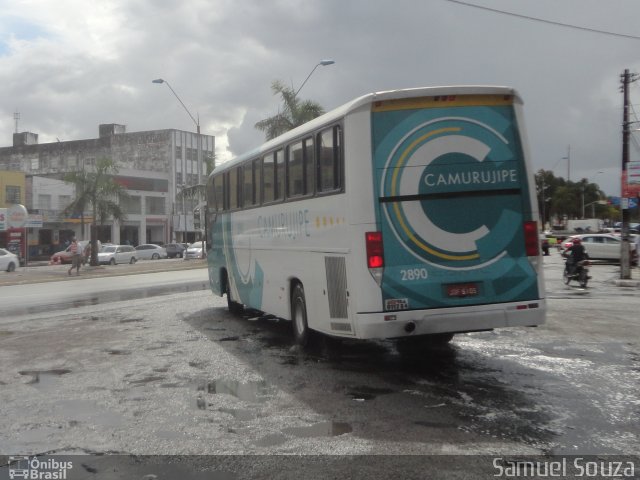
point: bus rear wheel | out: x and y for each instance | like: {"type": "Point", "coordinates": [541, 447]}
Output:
{"type": "Point", "coordinates": [299, 316]}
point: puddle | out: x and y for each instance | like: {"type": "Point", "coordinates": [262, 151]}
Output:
{"type": "Point", "coordinates": [145, 380]}
{"type": "Point", "coordinates": [117, 351]}
{"type": "Point", "coordinates": [424, 423]}
{"type": "Point", "coordinates": [90, 413]}
{"type": "Point", "coordinates": [116, 296]}
{"type": "Point", "coordinates": [368, 393]}
{"type": "Point", "coordinates": [44, 379]}
{"type": "Point", "coordinates": [5, 333]}
{"type": "Point", "coordinates": [229, 339]}
{"type": "Point", "coordinates": [239, 413]}
{"type": "Point", "coordinates": [131, 320]}
{"type": "Point", "coordinates": [322, 429]}
{"type": "Point", "coordinates": [271, 440]}
{"type": "Point", "coordinates": [257, 391]}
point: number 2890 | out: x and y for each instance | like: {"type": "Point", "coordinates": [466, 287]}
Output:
{"type": "Point", "coordinates": [411, 274]}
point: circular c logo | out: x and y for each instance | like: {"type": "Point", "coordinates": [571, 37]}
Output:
{"type": "Point", "coordinates": [427, 174]}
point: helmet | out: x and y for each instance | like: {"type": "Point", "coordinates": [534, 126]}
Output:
{"type": "Point", "coordinates": [577, 241]}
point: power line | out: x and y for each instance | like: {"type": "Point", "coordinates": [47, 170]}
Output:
{"type": "Point", "coordinates": [542, 20]}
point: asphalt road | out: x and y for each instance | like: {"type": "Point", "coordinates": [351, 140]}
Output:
{"type": "Point", "coordinates": [177, 374]}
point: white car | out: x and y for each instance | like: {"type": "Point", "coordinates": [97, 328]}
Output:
{"type": "Point", "coordinates": [150, 251]}
{"type": "Point", "coordinates": [602, 246]}
{"type": "Point", "coordinates": [112, 254]}
{"type": "Point", "coordinates": [8, 261]}
{"type": "Point", "coordinates": [197, 250]}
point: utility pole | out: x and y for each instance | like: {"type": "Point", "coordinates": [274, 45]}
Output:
{"type": "Point", "coordinates": [625, 260]}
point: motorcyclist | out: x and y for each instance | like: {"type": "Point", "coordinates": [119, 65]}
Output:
{"type": "Point", "coordinates": [574, 254]}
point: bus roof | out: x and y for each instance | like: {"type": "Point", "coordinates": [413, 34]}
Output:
{"type": "Point", "coordinates": [356, 103]}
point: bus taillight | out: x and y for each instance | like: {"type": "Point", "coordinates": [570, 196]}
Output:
{"type": "Point", "coordinates": [375, 253]}
{"type": "Point", "coordinates": [531, 241]}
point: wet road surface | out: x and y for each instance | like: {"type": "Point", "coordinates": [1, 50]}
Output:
{"type": "Point", "coordinates": [178, 374]}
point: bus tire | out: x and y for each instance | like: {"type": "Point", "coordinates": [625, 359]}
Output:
{"type": "Point", "coordinates": [233, 306]}
{"type": "Point", "coordinates": [299, 316]}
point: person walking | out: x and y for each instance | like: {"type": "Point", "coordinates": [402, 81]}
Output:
{"type": "Point", "coordinates": [76, 256]}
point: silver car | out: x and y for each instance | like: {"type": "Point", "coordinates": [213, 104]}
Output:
{"type": "Point", "coordinates": [197, 250]}
{"type": "Point", "coordinates": [150, 251]}
{"type": "Point", "coordinates": [112, 254]}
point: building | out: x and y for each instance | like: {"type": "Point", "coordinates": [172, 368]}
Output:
{"type": "Point", "coordinates": [153, 167]}
{"type": "Point", "coordinates": [12, 191]}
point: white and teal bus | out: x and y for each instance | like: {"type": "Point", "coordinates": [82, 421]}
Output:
{"type": "Point", "coordinates": [402, 214]}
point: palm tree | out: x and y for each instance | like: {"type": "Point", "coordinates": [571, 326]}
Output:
{"type": "Point", "coordinates": [98, 190]}
{"type": "Point", "coordinates": [294, 113]}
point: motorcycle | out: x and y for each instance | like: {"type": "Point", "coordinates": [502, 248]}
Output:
{"type": "Point", "coordinates": [580, 273]}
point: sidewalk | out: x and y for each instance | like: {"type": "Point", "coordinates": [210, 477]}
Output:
{"type": "Point", "coordinates": [41, 272]}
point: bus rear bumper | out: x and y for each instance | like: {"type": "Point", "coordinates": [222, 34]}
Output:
{"type": "Point", "coordinates": [464, 319]}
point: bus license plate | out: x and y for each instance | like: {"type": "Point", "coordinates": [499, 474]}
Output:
{"type": "Point", "coordinates": [462, 290]}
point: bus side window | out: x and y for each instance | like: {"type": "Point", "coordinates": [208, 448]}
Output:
{"type": "Point", "coordinates": [329, 164]}
{"type": "Point", "coordinates": [308, 169]}
{"type": "Point", "coordinates": [280, 175]}
{"type": "Point", "coordinates": [300, 168]}
{"type": "Point", "coordinates": [269, 178]}
{"type": "Point", "coordinates": [247, 185]}
{"type": "Point", "coordinates": [257, 182]}
{"type": "Point", "coordinates": [218, 191]}
{"type": "Point", "coordinates": [234, 200]}
{"type": "Point", "coordinates": [295, 174]}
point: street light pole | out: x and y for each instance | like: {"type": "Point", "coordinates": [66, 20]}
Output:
{"type": "Point", "coordinates": [197, 122]}
{"type": "Point", "coordinates": [568, 159]}
{"type": "Point", "coordinates": [198, 149]}
{"type": "Point", "coordinates": [321, 63]}
{"type": "Point", "coordinates": [625, 260]}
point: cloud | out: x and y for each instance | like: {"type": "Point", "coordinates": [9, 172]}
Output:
{"type": "Point", "coordinates": [69, 65]}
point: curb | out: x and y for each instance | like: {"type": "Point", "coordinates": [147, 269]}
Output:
{"type": "Point", "coordinates": [626, 283]}
{"type": "Point", "coordinates": [25, 276]}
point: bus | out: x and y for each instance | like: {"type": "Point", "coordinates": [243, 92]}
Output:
{"type": "Point", "coordinates": [407, 214]}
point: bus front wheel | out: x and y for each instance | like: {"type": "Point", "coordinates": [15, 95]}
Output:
{"type": "Point", "coordinates": [299, 316]}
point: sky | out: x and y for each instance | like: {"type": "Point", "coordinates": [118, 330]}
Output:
{"type": "Point", "coordinates": [67, 66]}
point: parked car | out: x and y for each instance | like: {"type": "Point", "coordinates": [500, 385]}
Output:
{"type": "Point", "coordinates": [8, 261]}
{"type": "Point", "coordinates": [113, 254]}
{"type": "Point", "coordinates": [601, 246]}
{"type": "Point", "coordinates": [175, 249]}
{"type": "Point", "coordinates": [150, 251]}
{"type": "Point", "coordinates": [197, 250]}
{"type": "Point", "coordinates": [64, 256]}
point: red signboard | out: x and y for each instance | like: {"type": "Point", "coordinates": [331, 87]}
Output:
{"type": "Point", "coordinates": [630, 185]}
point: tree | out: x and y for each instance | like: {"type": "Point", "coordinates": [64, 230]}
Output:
{"type": "Point", "coordinates": [98, 190]}
{"type": "Point", "coordinates": [559, 198]}
{"type": "Point", "coordinates": [295, 112]}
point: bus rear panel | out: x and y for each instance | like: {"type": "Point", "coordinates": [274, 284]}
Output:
{"type": "Point", "coordinates": [456, 229]}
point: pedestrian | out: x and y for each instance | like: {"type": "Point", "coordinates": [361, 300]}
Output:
{"type": "Point", "coordinates": [76, 256]}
